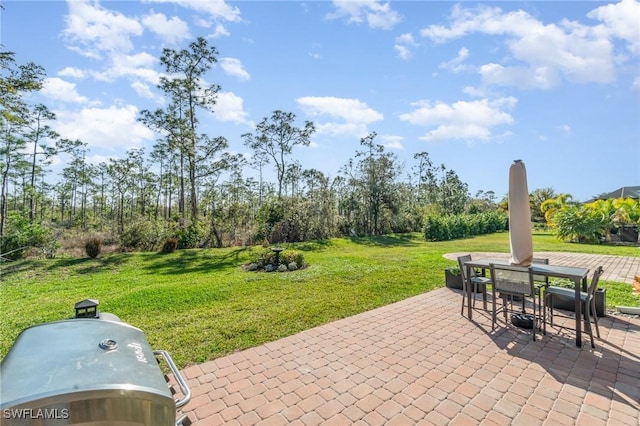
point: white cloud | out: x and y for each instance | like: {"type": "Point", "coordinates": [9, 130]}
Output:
{"type": "Point", "coordinates": [636, 83]}
{"type": "Point", "coordinates": [113, 128]}
{"type": "Point", "coordinates": [72, 72]}
{"type": "Point", "coordinates": [350, 109]}
{"type": "Point", "coordinates": [144, 90]}
{"type": "Point", "coordinates": [61, 90]}
{"type": "Point", "coordinates": [233, 67]}
{"type": "Point", "coordinates": [546, 52]}
{"type": "Point", "coordinates": [126, 63]}
{"type": "Point", "coordinates": [171, 31]}
{"type": "Point", "coordinates": [404, 45]}
{"type": "Point", "coordinates": [543, 77]}
{"type": "Point", "coordinates": [481, 19]}
{"type": "Point", "coordinates": [353, 116]}
{"type": "Point", "coordinates": [97, 29]}
{"type": "Point", "coordinates": [138, 66]}
{"type": "Point", "coordinates": [476, 92]}
{"type": "Point", "coordinates": [456, 64]}
{"type": "Point", "coordinates": [219, 31]}
{"type": "Point", "coordinates": [464, 120]}
{"type": "Point", "coordinates": [216, 9]}
{"type": "Point", "coordinates": [392, 142]}
{"type": "Point", "coordinates": [621, 20]}
{"type": "Point", "coordinates": [229, 107]}
{"type": "Point", "coordinates": [378, 15]}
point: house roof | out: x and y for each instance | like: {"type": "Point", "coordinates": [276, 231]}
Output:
{"type": "Point", "coordinates": [624, 192]}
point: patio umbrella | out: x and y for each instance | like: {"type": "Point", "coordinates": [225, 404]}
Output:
{"type": "Point", "coordinates": [519, 216]}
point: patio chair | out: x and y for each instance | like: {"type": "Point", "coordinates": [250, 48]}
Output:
{"type": "Point", "coordinates": [513, 281]}
{"type": "Point", "coordinates": [473, 282]}
{"type": "Point", "coordinates": [587, 299]}
{"type": "Point", "coordinates": [539, 281]}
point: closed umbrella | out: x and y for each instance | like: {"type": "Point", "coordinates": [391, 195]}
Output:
{"type": "Point", "coordinates": [519, 216]}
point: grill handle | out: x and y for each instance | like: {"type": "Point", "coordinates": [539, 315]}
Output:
{"type": "Point", "coordinates": [181, 382]}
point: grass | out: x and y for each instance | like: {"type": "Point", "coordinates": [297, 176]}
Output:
{"type": "Point", "coordinates": [200, 304]}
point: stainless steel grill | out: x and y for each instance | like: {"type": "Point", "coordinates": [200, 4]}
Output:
{"type": "Point", "coordinates": [90, 372]}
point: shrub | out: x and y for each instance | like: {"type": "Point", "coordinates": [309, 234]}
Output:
{"type": "Point", "coordinates": [93, 247]}
{"type": "Point", "coordinates": [579, 223]}
{"type": "Point", "coordinates": [21, 235]}
{"type": "Point", "coordinates": [170, 245]}
{"type": "Point", "coordinates": [442, 228]}
{"type": "Point", "coordinates": [190, 236]}
{"type": "Point", "coordinates": [141, 235]}
{"type": "Point", "coordinates": [266, 260]}
{"type": "Point", "coordinates": [263, 258]}
{"type": "Point", "coordinates": [436, 229]}
{"type": "Point", "coordinates": [294, 257]}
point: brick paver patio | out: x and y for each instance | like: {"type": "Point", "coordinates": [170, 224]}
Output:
{"type": "Point", "coordinates": [419, 361]}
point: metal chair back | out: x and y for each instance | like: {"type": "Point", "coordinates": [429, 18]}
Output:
{"type": "Point", "coordinates": [514, 280]}
{"type": "Point", "coordinates": [540, 278]}
{"type": "Point", "coordinates": [591, 291]}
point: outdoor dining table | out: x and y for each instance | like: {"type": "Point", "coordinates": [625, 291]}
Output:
{"type": "Point", "coordinates": [576, 274]}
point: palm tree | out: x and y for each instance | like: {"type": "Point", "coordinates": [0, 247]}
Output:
{"type": "Point", "coordinates": [553, 205]}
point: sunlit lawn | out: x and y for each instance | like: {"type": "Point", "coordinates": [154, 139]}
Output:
{"type": "Point", "coordinates": [200, 304]}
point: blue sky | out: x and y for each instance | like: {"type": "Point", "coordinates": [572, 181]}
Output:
{"type": "Point", "coordinates": [474, 84]}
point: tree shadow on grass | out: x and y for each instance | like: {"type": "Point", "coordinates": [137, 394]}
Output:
{"type": "Point", "coordinates": [389, 240]}
{"type": "Point", "coordinates": [193, 261]}
{"type": "Point", "coordinates": [315, 245]}
{"type": "Point", "coordinates": [81, 265]}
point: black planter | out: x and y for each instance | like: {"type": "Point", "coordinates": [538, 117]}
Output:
{"type": "Point", "coordinates": [453, 280]}
{"type": "Point", "coordinates": [569, 305]}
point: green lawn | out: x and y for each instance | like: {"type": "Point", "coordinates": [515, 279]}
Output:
{"type": "Point", "coordinates": [200, 304]}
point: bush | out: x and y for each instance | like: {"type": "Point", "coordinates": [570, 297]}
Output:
{"type": "Point", "coordinates": [141, 235]}
{"type": "Point", "coordinates": [21, 235]}
{"type": "Point", "coordinates": [191, 236]}
{"type": "Point", "coordinates": [266, 260]}
{"type": "Point", "coordinates": [170, 245]}
{"type": "Point", "coordinates": [580, 224]}
{"type": "Point", "coordinates": [93, 247]}
{"type": "Point", "coordinates": [442, 228]}
{"type": "Point", "coordinates": [436, 229]}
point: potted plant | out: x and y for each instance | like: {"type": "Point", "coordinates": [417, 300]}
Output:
{"type": "Point", "coordinates": [453, 277]}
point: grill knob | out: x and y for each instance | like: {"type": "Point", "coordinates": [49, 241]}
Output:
{"type": "Point", "coordinates": [108, 344]}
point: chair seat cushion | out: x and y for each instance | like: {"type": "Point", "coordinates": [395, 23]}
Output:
{"type": "Point", "coordinates": [481, 280]}
{"type": "Point", "coordinates": [565, 292]}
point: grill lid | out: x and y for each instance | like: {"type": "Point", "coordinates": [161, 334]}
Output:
{"type": "Point", "coordinates": [79, 355]}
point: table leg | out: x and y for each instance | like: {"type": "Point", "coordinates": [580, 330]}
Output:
{"type": "Point", "coordinates": [469, 291]}
{"type": "Point", "coordinates": [578, 311]}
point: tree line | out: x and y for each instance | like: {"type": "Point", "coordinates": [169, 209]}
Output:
{"type": "Point", "coordinates": [189, 186]}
